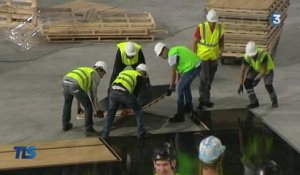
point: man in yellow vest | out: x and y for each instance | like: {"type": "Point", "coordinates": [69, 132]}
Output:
{"type": "Point", "coordinates": [128, 54]}
{"type": "Point", "coordinates": [164, 160]}
{"type": "Point", "coordinates": [124, 90]}
{"type": "Point", "coordinates": [257, 64]}
{"type": "Point", "coordinates": [78, 83]}
{"type": "Point", "coordinates": [208, 44]}
{"type": "Point", "coordinates": [187, 64]}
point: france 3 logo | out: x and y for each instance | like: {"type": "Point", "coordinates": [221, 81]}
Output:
{"type": "Point", "coordinates": [24, 152]}
{"type": "Point", "coordinates": [275, 19]}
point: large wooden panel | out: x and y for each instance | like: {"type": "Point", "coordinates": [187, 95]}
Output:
{"type": "Point", "coordinates": [59, 153]}
{"type": "Point", "coordinates": [242, 4]}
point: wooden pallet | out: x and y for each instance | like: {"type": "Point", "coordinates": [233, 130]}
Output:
{"type": "Point", "coordinates": [94, 31]}
{"type": "Point", "coordinates": [123, 20]}
{"type": "Point", "coordinates": [82, 5]}
{"type": "Point", "coordinates": [95, 38]}
{"type": "Point", "coordinates": [11, 16]}
{"type": "Point", "coordinates": [22, 3]}
{"type": "Point", "coordinates": [247, 10]}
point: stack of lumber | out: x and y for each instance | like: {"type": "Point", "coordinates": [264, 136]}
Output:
{"type": "Point", "coordinates": [87, 21]}
{"type": "Point", "coordinates": [249, 21]}
{"type": "Point", "coordinates": [15, 11]}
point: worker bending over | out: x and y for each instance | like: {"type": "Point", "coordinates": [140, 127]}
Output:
{"type": "Point", "coordinates": [257, 64]}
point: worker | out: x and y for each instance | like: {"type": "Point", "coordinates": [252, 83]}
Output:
{"type": "Point", "coordinates": [78, 83]}
{"type": "Point", "coordinates": [128, 54]}
{"type": "Point", "coordinates": [211, 153]}
{"type": "Point", "coordinates": [257, 64]}
{"type": "Point", "coordinates": [164, 160]}
{"type": "Point", "coordinates": [187, 64]}
{"type": "Point", "coordinates": [125, 89]}
{"type": "Point", "coordinates": [208, 44]}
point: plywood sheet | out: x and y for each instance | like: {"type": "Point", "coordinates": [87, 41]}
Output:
{"type": "Point", "coordinates": [59, 153]}
{"type": "Point", "coordinates": [242, 4]}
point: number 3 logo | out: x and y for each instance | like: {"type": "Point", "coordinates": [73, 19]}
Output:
{"type": "Point", "coordinates": [276, 19]}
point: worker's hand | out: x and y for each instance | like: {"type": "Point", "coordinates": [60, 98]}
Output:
{"type": "Point", "coordinates": [241, 89]}
{"type": "Point", "coordinates": [80, 111]}
{"type": "Point", "coordinates": [100, 114]}
{"type": "Point", "coordinates": [169, 92]}
{"type": "Point", "coordinates": [255, 82]}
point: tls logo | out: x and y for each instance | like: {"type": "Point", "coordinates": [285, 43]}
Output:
{"type": "Point", "coordinates": [25, 152]}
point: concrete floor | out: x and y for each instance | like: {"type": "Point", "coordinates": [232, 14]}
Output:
{"type": "Point", "coordinates": [31, 99]}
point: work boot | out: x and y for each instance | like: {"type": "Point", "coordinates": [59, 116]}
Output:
{"type": "Point", "coordinates": [253, 105]}
{"type": "Point", "coordinates": [188, 108]}
{"type": "Point", "coordinates": [274, 104]}
{"type": "Point", "coordinates": [144, 135]}
{"type": "Point", "coordinates": [68, 127]}
{"type": "Point", "coordinates": [209, 104]}
{"type": "Point", "coordinates": [91, 132]}
{"type": "Point", "coordinates": [178, 117]}
{"type": "Point", "coordinates": [200, 106]}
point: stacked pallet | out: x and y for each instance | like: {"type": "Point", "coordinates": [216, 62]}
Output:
{"type": "Point", "coordinates": [86, 21]}
{"type": "Point", "coordinates": [15, 11]}
{"type": "Point", "coordinates": [249, 20]}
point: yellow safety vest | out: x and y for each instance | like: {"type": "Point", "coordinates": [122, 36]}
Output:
{"type": "Point", "coordinates": [129, 61]}
{"type": "Point", "coordinates": [83, 77]}
{"type": "Point", "coordinates": [256, 63]}
{"type": "Point", "coordinates": [128, 78]}
{"type": "Point", "coordinates": [208, 47]}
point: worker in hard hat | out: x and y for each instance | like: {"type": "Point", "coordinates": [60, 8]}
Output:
{"type": "Point", "coordinates": [125, 89]}
{"type": "Point", "coordinates": [164, 160]}
{"type": "Point", "coordinates": [257, 64]}
{"type": "Point", "coordinates": [208, 45]}
{"type": "Point", "coordinates": [187, 64]}
{"type": "Point", "coordinates": [128, 54]}
{"type": "Point", "coordinates": [211, 153]}
{"type": "Point", "coordinates": [78, 83]}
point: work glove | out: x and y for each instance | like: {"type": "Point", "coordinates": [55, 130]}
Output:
{"type": "Point", "coordinates": [255, 82]}
{"type": "Point", "coordinates": [169, 92]}
{"type": "Point", "coordinates": [241, 89]}
{"type": "Point", "coordinates": [100, 114]}
{"type": "Point", "coordinates": [80, 111]}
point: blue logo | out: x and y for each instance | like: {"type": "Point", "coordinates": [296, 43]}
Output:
{"type": "Point", "coordinates": [275, 19]}
{"type": "Point", "coordinates": [24, 152]}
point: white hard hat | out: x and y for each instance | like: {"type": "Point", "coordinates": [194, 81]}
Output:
{"type": "Point", "coordinates": [130, 49]}
{"type": "Point", "coordinates": [251, 49]}
{"type": "Point", "coordinates": [210, 149]}
{"type": "Point", "coordinates": [158, 48]}
{"type": "Point", "coordinates": [101, 64]}
{"type": "Point", "coordinates": [212, 16]}
{"type": "Point", "coordinates": [142, 67]}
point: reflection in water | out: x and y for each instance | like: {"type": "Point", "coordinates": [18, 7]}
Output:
{"type": "Point", "coordinates": [250, 147]}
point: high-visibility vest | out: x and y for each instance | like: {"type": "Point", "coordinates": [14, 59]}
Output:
{"type": "Point", "coordinates": [128, 78]}
{"type": "Point", "coordinates": [83, 77]}
{"type": "Point", "coordinates": [256, 63]}
{"type": "Point", "coordinates": [208, 47]}
{"type": "Point", "coordinates": [129, 61]}
{"type": "Point", "coordinates": [187, 59]}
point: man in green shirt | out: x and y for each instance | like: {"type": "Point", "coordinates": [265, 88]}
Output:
{"type": "Point", "coordinates": [187, 64]}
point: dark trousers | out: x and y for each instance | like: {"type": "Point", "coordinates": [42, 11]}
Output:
{"type": "Point", "coordinates": [207, 75]}
{"type": "Point", "coordinates": [117, 97]}
{"type": "Point", "coordinates": [268, 80]}
{"type": "Point", "coordinates": [70, 90]}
